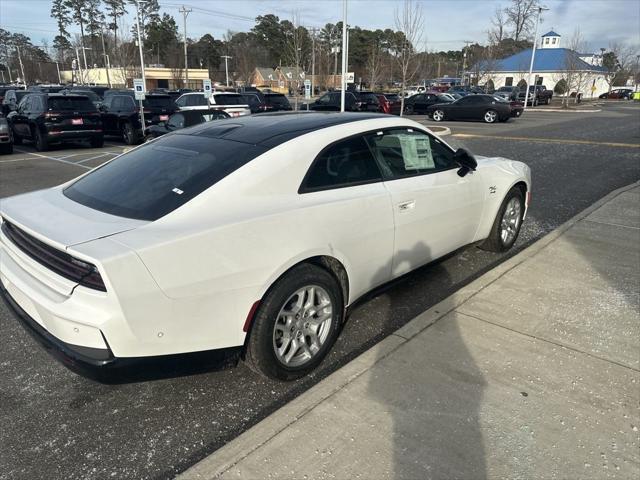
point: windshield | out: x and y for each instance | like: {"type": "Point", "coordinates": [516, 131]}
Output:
{"type": "Point", "coordinates": [229, 99]}
{"type": "Point", "coordinates": [78, 104]}
{"type": "Point", "coordinates": [155, 179]}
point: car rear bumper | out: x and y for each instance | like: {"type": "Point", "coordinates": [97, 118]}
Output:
{"type": "Point", "coordinates": [73, 134]}
{"type": "Point", "coordinates": [5, 139]}
{"type": "Point", "coordinates": [101, 365]}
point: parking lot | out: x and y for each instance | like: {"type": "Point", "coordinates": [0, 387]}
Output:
{"type": "Point", "coordinates": [58, 422]}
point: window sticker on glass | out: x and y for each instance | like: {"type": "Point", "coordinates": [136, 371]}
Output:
{"type": "Point", "coordinates": [416, 151]}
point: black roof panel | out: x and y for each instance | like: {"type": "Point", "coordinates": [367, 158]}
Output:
{"type": "Point", "coordinates": [272, 129]}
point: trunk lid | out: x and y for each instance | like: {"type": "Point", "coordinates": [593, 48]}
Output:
{"type": "Point", "coordinates": [55, 219]}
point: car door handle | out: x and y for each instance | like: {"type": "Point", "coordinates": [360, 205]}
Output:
{"type": "Point", "coordinates": [408, 205]}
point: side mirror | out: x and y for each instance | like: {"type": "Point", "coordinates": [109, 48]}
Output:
{"type": "Point", "coordinates": [465, 160]}
{"type": "Point", "coordinates": [12, 114]}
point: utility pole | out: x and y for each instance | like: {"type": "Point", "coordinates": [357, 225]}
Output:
{"type": "Point", "coordinates": [79, 67]}
{"type": "Point", "coordinates": [226, 66]}
{"type": "Point", "coordinates": [24, 79]}
{"type": "Point", "coordinates": [106, 58]}
{"type": "Point", "coordinates": [57, 68]}
{"type": "Point", "coordinates": [343, 81]}
{"type": "Point", "coordinates": [533, 56]}
{"type": "Point", "coordinates": [464, 60]}
{"type": "Point", "coordinates": [144, 80]}
{"type": "Point", "coordinates": [185, 11]}
{"type": "Point", "coordinates": [314, 31]}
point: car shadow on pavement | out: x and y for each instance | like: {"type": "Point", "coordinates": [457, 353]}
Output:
{"type": "Point", "coordinates": [426, 401]}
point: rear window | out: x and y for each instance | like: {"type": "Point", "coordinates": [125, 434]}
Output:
{"type": "Point", "coordinates": [158, 102]}
{"type": "Point", "coordinates": [230, 99]}
{"type": "Point", "coordinates": [77, 104]}
{"type": "Point", "coordinates": [87, 93]}
{"type": "Point", "coordinates": [280, 100]}
{"type": "Point", "coordinates": [155, 179]}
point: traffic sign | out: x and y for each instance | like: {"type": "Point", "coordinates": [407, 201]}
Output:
{"type": "Point", "coordinates": [351, 77]}
{"type": "Point", "coordinates": [307, 89]}
{"type": "Point", "coordinates": [138, 89]}
{"type": "Point", "coordinates": [206, 88]}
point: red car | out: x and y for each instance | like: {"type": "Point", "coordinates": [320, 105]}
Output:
{"type": "Point", "coordinates": [389, 103]}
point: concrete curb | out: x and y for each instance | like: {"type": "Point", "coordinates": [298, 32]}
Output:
{"type": "Point", "coordinates": [440, 131]}
{"type": "Point", "coordinates": [244, 445]}
{"type": "Point", "coordinates": [559, 110]}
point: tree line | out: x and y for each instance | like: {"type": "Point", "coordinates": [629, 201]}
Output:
{"type": "Point", "coordinates": [375, 56]}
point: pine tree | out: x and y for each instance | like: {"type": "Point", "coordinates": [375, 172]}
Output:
{"type": "Point", "coordinates": [60, 12]}
{"type": "Point", "coordinates": [115, 10]}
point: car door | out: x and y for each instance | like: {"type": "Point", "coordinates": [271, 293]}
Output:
{"type": "Point", "coordinates": [323, 103]}
{"type": "Point", "coordinates": [344, 190]}
{"type": "Point", "coordinates": [20, 120]}
{"type": "Point", "coordinates": [109, 120]}
{"type": "Point", "coordinates": [435, 210]}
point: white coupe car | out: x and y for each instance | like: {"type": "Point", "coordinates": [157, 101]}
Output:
{"type": "Point", "coordinates": [254, 232]}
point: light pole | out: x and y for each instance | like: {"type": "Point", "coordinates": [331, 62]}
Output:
{"type": "Point", "coordinates": [106, 58]}
{"type": "Point", "coordinates": [24, 79]}
{"type": "Point", "coordinates": [185, 11]}
{"type": "Point", "coordinates": [144, 80]}
{"type": "Point", "coordinates": [533, 56]}
{"type": "Point", "coordinates": [226, 67]}
{"type": "Point", "coordinates": [343, 81]}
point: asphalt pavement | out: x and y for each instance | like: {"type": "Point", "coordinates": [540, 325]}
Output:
{"type": "Point", "coordinates": [59, 425]}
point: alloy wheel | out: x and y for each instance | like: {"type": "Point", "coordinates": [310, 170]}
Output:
{"type": "Point", "coordinates": [438, 115]}
{"type": "Point", "coordinates": [302, 326]}
{"type": "Point", "coordinates": [490, 116]}
{"type": "Point", "coordinates": [510, 223]}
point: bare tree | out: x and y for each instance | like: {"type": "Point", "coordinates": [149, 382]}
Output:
{"type": "Point", "coordinates": [521, 14]}
{"type": "Point", "coordinates": [498, 30]}
{"type": "Point", "coordinates": [573, 71]}
{"type": "Point", "coordinates": [409, 22]}
{"type": "Point", "coordinates": [374, 63]}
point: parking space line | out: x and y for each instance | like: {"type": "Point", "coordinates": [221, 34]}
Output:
{"type": "Point", "coordinates": [549, 140]}
{"type": "Point", "coordinates": [11, 160]}
{"type": "Point", "coordinates": [56, 159]}
{"type": "Point", "coordinates": [91, 158]}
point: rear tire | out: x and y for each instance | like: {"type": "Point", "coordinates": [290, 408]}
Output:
{"type": "Point", "coordinates": [276, 335]}
{"type": "Point", "coordinates": [42, 145]}
{"type": "Point", "coordinates": [437, 115]}
{"type": "Point", "coordinates": [506, 226]}
{"type": "Point", "coordinates": [97, 142]}
{"type": "Point", "coordinates": [6, 148]}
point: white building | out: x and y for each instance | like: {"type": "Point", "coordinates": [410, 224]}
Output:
{"type": "Point", "coordinates": [551, 65]}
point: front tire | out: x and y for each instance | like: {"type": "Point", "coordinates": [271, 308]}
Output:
{"type": "Point", "coordinates": [296, 324]}
{"type": "Point", "coordinates": [506, 226]}
{"type": "Point", "coordinates": [129, 135]}
{"type": "Point", "coordinates": [490, 116]}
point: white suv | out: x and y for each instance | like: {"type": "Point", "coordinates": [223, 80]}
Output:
{"type": "Point", "coordinates": [231, 103]}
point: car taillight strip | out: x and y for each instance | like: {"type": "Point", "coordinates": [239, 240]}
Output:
{"type": "Point", "coordinates": [59, 262]}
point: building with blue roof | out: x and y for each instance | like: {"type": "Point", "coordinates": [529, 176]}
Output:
{"type": "Point", "coordinates": [552, 64]}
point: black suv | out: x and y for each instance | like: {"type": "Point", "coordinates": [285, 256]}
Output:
{"type": "Point", "coordinates": [353, 102]}
{"type": "Point", "coordinates": [121, 114]}
{"type": "Point", "coordinates": [47, 118]}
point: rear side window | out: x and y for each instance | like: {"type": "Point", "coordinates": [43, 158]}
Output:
{"type": "Point", "coordinates": [342, 164]}
{"type": "Point", "coordinates": [76, 104]}
{"type": "Point", "coordinates": [155, 179]}
{"type": "Point", "coordinates": [195, 100]}
{"type": "Point", "coordinates": [229, 100]}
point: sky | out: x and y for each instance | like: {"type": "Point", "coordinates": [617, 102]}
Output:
{"type": "Point", "coordinates": [448, 23]}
